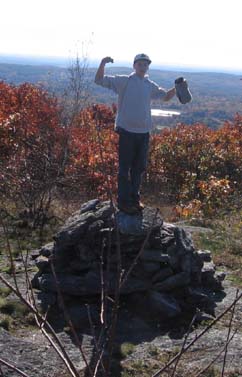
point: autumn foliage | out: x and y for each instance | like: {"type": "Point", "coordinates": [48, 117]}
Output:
{"type": "Point", "coordinates": [198, 166]}
{"type": "Point", "coordinates": [41, 157]}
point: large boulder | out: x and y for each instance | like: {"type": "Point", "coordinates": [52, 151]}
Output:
{"type": "Point", "coordinates": [100, 249]}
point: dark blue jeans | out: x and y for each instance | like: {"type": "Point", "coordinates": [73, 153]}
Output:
{"type": "Point", "coordinates": [133, 152]}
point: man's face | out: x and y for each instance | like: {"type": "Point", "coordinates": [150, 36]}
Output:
{"type": "Point", "coordinates": [141, 67]}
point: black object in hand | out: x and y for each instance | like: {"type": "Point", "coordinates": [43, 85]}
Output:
{"type": "Point", "coordinates": [182, 91]}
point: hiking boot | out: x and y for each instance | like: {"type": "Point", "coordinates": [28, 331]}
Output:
{"type": "Point", "coordinates": [130, 210]}
{"type": "Point", "coordinates": [140, 206]}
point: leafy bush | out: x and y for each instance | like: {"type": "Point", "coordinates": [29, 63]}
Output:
{"type": "Point", "coordinates": [42, 157]}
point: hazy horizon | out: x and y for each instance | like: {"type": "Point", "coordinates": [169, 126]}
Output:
{"type": "Point", "coordinates": [64, 61]}
{"type": "Point", "coordinates": [203, 34]}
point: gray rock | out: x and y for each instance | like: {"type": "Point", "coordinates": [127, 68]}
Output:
{"type": "Point", "coordinates": [208, 269]}
{"type": "Point", "coordinates": [44, 300]}
{"type": "Point", "coordinates": [89, 206]}
{"type": "Point", "coordinates": [175, 258]}
{"type": "Point", "coordinates": [194, 229]}
{"type": "Point", "coordinates": [210, 278]}
{"type": "Point", "coordinates": [34, 356]}
{"type": "Point", "coordinates": [163, 273]}
{"type": "Point", "coordinates": [196, 268]}
{"type": "Point", "coordinates": [78, 265]}
{"type": "Point", "coordinates": [89, 284]}
{"type": "Point", "coordinates": [95, 227]}
{"type": "Point", "coordinates": [197, 296]}
{"type": "Point", "coordinates": [220, 275]}
{"type": "Point", "coordinates": [212, 282]}
{"type": "Point", "coordinates": [186, 264]}
{"type": "Point", "coordinates": [80, 316]}
{"type": "Point", "coordinates": [73, 230]}
{"type": "Point", "coordinates": [138, 224]}
{"type": "Point", "coordinates": [179, 280]}
{"type": "Point", "coordinates": [163, 305]}
{"type": "Point", "coordinates": [183, 241]}
{"type": "Point", "coordinates": [154, 256]}
{"type": "Point", "coordinates": [104, 212]}
{"type": "Point", "coordinates": [205, 255]}
{"type": "Point", "coordinates": [47, 249]}
{"type": "Point", "coordinates": [151, 267]}
{"type": "Point", "coordinates": [43, 264]}
{"type": "Point", "coordinates": [133, 285]}
{"type": "Point", "coordinates": [88, 241]}
{"type": "Point", "coordinates": [128, 224]}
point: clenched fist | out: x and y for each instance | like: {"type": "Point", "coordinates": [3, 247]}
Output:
{"type": "Point", "coordinates": [107, 60]}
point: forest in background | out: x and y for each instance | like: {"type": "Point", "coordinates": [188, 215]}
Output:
{"type": "Point", "coordinates": [217, 97]}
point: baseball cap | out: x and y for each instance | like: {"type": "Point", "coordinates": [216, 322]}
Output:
{"type": "Point", "coordinates": [142, 57]}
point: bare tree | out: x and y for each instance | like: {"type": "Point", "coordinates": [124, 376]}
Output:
{"type": "Point", "coordinates": [76, 94]}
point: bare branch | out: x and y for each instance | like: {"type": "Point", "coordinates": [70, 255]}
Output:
{"type": "Point", "coordinates": [11, 366]}
{"type": "Point", "coordinates": [183, 345]}
{"type": "Point", "coordinates": [141, 250]}
{"type": "Point", "coordinates": [228, 335]}
{"type": "Point", "coordinates": [40, 319]}
{"type": "Point", "coordinates": [216, 358]}
{"type": "Point", "coordinates": [67, 317]}
{"type": "Point", "coordinates": [158, 373]}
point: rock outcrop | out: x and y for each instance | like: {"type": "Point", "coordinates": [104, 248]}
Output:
{"type": "Point", "coordinates": [162, 275]}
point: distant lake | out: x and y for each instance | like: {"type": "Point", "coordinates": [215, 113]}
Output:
{"type": "Point", "coordinates": [164, 113]}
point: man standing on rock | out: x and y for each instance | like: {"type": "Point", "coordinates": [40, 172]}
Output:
{"type": "Point", "coordinates": [133, 124]}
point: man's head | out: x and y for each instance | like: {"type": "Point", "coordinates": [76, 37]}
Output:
{"type": "Point", "coordinates": [141, 64]}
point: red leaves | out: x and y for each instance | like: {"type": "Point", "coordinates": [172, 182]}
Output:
{"type": "Point", "coordinates": [93, 152]}
{"type": "Point", "coordinates": [199, 166]}
{"type": "Point", "coordinates": [196, 165]}
{"type": "Point", "coordinates": [30, 142]}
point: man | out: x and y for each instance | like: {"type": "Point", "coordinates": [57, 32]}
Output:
{"type": "Point", "coordinates": [133, 123]}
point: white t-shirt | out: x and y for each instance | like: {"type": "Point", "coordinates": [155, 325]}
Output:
{"type": "Point", "coordinates": [134, 98]}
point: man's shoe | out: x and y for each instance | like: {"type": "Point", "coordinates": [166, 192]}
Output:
{"type": "Point", "coordinates": [130, 210]}
{"type": "Point", "coordinates": [140, 206]}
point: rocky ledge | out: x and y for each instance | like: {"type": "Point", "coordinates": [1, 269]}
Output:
{"type": "Point", "coordinates": [169, 278]}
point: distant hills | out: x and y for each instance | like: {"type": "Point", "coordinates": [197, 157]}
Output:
{"type": "Point", "coordinates": [216, 96]}
{"type": "Point", "coordinates": [34, 60]}
{"type": "Point", "coordinates": [63, 62]}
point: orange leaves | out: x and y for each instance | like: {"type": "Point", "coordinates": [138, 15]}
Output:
{"type": "Point", "coordinates": [193, 208]}
{"type": "Point", "coordinates": [197, 166]}
{"type": "Point", "coordinates": [93, 151]}
{"type": "Point", "coordinates": [30, 142]}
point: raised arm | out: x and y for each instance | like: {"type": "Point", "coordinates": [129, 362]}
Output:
{"type": "Point", "coordinates": [100, 71]}
{"type": "Point", "coordinates": [169, 94]}
{"type": "Point", "coordinates": [161, 93]}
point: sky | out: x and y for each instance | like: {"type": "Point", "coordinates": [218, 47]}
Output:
{"type": "Point", "coordinates": [202, 33]}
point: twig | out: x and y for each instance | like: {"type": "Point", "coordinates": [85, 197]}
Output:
{"type": "Point", "coordinates": [141, 250]}
{"type": "Point", "coordinates": [40, 319]}
{"type": "Point", "coordinates": [183, 345]}
{"type": "Point", "coordinates": [67, 317]}
{"type": "Point", "coordinates": [198, 337]}
{"type": "Point", "coordinates": [63, 355]}
{"type": "Point", "coordinates": [10, 254]}
{"type": "Point", "coordinates": [96, 343]}
{"type": "Point", "coordinates": [103, 290]}
{"type": "Point", "coordinates": [114, 317]}
{"type": "Point", "coordinates": [228, 335]}
{"type": "Point", "coordinates": [11, 366]}
{"type": "Point", "coordinates": [216, 358]}
{"type": "Point", "coordinates": [98, 362]}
